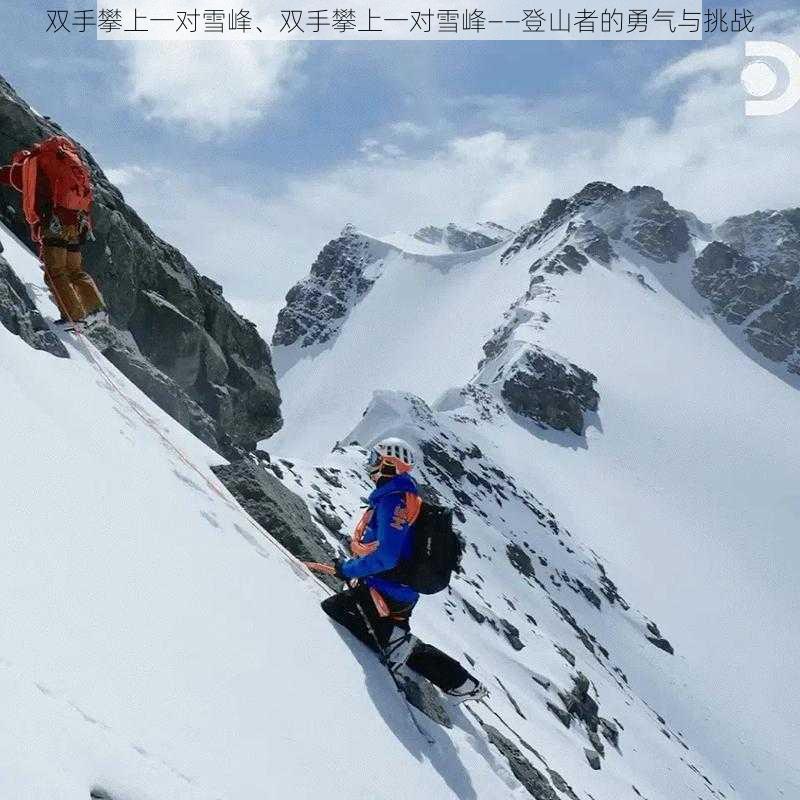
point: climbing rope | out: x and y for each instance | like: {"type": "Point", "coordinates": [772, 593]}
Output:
{"type": "Point", "coordinates": [96, 359]}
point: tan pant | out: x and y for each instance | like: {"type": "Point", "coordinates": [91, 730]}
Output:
{"type": "Point", "coordinates": [73, 289]}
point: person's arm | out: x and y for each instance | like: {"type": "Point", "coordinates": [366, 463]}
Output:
{"type": "Point", "coordinates": [390, 538]}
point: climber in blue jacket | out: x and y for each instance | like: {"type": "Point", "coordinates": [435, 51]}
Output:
{"type": "Point", "coordinates": [383, 539]}
{"type": "Point", "coordinates": [377, 605]}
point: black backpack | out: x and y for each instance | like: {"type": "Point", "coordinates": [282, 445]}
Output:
{"type": "Point", "coordinates": [436, 552]}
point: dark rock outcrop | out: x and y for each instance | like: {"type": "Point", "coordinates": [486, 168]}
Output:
{"type": "Point", "coordinates": [520, 560]}
{"type": "Point", "coordinates": [656, 229]}
{"type": "Point", "coordinates": [180, 336]}
{"type": "Point", "coordinates": [548, 390]}
{"type": "Point", "coordinates": [317, 307]}
{"type": "Point", "coordinates": [580, 704]}
{"type": "Point", "coordinates": [278, 510]}
{"type": "Point", "coordinates": [19, 314]}
{"type": "Point", "coordinates": [593, 757]}
{"type": "Point", "coordinates": [462, 240]}
{"type": "Point", "coordinates": [656, 639]}
{"type": "Point", "coordinates": [733, 283]}
{"type": "Point", "coordinates": [751, 276]}
{"type": "Point", "coordinates": [536, 782]}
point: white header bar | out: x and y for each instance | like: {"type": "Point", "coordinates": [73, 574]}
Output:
{"type": "Point", "coordinates": [404, 20]}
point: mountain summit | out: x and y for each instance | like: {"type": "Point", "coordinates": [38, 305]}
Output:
{"type": "Point", "coordinates": [611, 364]}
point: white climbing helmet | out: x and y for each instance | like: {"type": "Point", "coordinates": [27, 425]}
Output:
{"type": "Point", "coordinates": [390, 457]}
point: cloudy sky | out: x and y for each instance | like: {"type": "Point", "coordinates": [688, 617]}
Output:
{"type": "Point", "coordinates": [250, 156]}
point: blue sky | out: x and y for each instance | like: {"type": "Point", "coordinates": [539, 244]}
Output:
{"type": "Point", "coordinates": [249, 157]}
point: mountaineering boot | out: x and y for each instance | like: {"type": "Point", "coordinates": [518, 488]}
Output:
{"type": "Point", "coordinates": [471, 689]}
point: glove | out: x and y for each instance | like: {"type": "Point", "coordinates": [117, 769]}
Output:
{"type": "Point", "coordinates": [337, 569]}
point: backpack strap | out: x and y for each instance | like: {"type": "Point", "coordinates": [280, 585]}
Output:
{"type": "Point", "coordinates": [357, 546]}
{"type": "Point", "coordinates": [413, 507]}
{"type": "Point", "coordinates": [29, 171]}
{"type": "Point", "coordinates": [381, 606]}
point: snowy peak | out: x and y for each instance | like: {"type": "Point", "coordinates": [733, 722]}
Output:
{"type": "Point", "coordinates": [464, 238]}
{"type": "Point", "coordinates": [342, 274]}
{"type": "Point", "coordinates": [639, 218]}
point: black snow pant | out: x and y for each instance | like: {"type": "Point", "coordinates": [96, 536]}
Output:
{"type": "Point", "coordinates": [425, 659]}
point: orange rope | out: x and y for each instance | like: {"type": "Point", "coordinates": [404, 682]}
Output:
{"type": "Point", "coordinates": [220, 492]}
{"type": "Point", "coordinates": [315, 566]}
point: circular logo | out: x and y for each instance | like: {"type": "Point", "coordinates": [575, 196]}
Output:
{"type": "Point", "coordinates": [759, 79]}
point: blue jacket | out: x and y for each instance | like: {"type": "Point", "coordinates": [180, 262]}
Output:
{"type": "Point", "coordinates": [394, 535]}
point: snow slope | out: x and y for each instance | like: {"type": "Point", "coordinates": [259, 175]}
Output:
{"type": "Point", "coordinates": [155, 642]}
{"type": "Point", "coordinates": [684, 482]}
{"type": "Point", "coordinates": [532, 611]}
{"type": "Point", "coordinates": [420, 307]}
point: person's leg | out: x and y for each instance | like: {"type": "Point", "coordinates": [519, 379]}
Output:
{"type": "Point", "coordinates": [56, 276]}
{"type": "Point", "coordinates": [82, 283]}
{"type": "Point", "coordinates": [386, 636]}
{"type": "Point", "coordinates": [347, 608]}
{"type": "Point", "coordinates": [439, 668]}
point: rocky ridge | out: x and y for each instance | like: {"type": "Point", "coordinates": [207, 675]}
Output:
{"type": "Point", "coordinates": [750, 274]}
{"type": "Point", "coordinates": [525, 583]}
{"type": "Point", "coordinates": [463, 239]}
{"type": "Point", "coordinates": [173, 332]}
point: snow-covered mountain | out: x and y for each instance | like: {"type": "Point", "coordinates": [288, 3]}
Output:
{"type": "Point", "coordinates": [157, 643]}
{"type": "Point", "coordinates": [608, 399]}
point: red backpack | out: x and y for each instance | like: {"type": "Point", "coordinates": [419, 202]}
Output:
{"type": "Point", "coordinates": [59, 162]}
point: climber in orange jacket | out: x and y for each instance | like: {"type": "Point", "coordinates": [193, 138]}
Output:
{"type": "Point", "coordinates": [56, 190]}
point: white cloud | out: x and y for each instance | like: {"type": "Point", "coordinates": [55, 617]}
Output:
{"type": "Point", "coordinates": [409, 129]}
{"type": "Point", "coordinates": [714, 60]}
{"type": "Point", "coordinates": [708, 158]}
{"type": "Point", "coordinates": [724, 59]}
{"type": "Point", "coordinates": [128, 175]}
{"type": "Point", "coordinates": [211, 87]}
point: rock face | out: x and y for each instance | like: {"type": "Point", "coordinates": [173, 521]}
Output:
{"type": "Point", "coordinates": [277, 510]}
{"type": "Point", "coordinates": [640, 219]}
{"type": "Point", "coordinates": [462, 239]}
{"type": "Point", "coordinates": [549, 390]}
{"type": "Point", "coordinates": [534, 781]}
{"type": "Point", "coordinates": [735, 285]}
{"type": "Point", "coordinates": [173, 332]}
{"type": "Point", "coordinates": [317, 306]}
{"type": "Point", "coordinates": [751, 276]}
{"type": "Point", "coordinates": [535, 383]}
{"type": "Point", "coordinates": [19, 314]}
